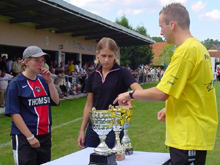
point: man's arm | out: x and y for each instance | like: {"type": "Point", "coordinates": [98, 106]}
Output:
{"type": "Point", "coordinates": [152, 94]}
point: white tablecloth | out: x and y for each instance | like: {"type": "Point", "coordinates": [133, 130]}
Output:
{"type": "Point", "coordinates": [137, 158]}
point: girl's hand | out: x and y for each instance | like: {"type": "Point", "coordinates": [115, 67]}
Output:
{"type": "Point", "coordinates": [34, 143]}
{"type": "Point", "coordinates": [46, 74]}
{"type": "Point", "coordinates": [81, 140]}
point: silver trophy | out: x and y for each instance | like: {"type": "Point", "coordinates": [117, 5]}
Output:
{"type": "Point", "coordinates": [118, 124]}
{"type": "Point", "coordinates": [102, 122]}
{"type": "Point", "coordinates": [126, 142]}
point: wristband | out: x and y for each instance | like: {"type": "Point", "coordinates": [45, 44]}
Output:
{"type": "Point", "coordinates": [131, 92]}
{"type": "Point", "coordinates": [82, 131]}
{"type": "Point", "coordinates": [49, 80]}
{"type": "Point", "coordinates": [30, 138]}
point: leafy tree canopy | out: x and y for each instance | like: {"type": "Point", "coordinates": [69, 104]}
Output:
{"type": "Point", "coordinates": [158, 39]}
{"type": "Point", "coordinates": [135, 55]}
{"type": "Point", "coordinates": [208, 42]}
{"type": "Point", "coordinates": [124, 22]}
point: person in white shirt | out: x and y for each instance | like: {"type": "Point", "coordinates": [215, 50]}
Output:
{"type": "Point", "coordinates": [9, 63]}
{"type": "Point", "coordinates": [83, 73]}
{"type": "Point", "coordinates": [3, 86]}
{"type": "Point", "coordinates": [76, 68]}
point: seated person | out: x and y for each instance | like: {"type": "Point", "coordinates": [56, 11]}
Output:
{"type": "Point", "coordinates": [61, 81]}
{"type": "Point", "coordinates": [3, 86]}
{"type": "Point", "coordinates": [75, 86]}
{"type": "Point", "coordinates": [54, 76]}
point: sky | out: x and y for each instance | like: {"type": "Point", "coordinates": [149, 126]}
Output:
{"type": "Point", "coordinates": [204, 14]}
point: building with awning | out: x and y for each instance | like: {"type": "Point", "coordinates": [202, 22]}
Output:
{"type": "Point", "coordinates": [59, 28]}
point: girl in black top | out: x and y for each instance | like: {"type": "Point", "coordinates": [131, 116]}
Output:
{"type": "Point", "coordinates": [103, 86]}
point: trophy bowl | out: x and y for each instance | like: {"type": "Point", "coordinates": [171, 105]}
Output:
{"type": "Point", "coordinates": [102, 122]}
{"type": "Point", "coordinates": [118, 125]}
{"type": "Point", "coordinates": [126, 142]}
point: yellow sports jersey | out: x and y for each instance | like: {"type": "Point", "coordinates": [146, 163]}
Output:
{"type": "Point", "coordinates": [191, 109]}
{"type": "Point", "coordinates": [70, 68]}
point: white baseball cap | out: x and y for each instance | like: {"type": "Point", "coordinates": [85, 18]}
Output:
{"type": "Point", "coordinates": [33, 51]}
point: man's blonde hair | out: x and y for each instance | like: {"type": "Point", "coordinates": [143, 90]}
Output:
{"type": "Point", "coordinates": [178, 13]}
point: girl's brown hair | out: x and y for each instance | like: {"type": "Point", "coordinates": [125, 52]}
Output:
{"type": "Point", "coordinates": [107, 43]}
{"type": "Point", "coordinates": [23, 66]}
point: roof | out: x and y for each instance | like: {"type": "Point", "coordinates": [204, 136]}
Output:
{"type": "Point", "coordinates": [58, 16]}
{"type": "Point", "coordinates": [158, 48]}
{"type": "Point", "coordinates": [214, 47]}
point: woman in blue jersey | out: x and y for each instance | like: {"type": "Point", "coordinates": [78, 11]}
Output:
{"type": "Point", "coordinates": [103, 85]}
{"type": "Point", "coordinates": [29, 96]}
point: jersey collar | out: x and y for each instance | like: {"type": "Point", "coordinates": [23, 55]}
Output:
{"type": "Point", "coordinates": [115, 67]}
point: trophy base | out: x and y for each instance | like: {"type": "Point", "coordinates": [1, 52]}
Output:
{"type": "Point", "coordinates": [120, 156]}
{"type": "Point", "coordinates": [129, 151]}
{"type": "Point", "coordinates": [96, 159]}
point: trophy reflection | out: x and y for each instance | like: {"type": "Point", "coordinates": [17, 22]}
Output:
{"type": "Point", "coordinates": [118, 124]}
{"type": "Point", "coordinates": [126, 142]}
{"type": "Point", "coordinates": [102, 122]}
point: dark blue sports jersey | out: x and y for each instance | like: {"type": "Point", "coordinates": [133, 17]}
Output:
{"type": "Point", "coordinates": [30, 99]}
{"type": "Point", "coordinates": [117, 81]}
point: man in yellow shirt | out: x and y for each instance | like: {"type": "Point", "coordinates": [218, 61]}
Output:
{"type": "Point", "coordinates": [188, 88]}
{"type": "Point", "coordinates": [70, 67]}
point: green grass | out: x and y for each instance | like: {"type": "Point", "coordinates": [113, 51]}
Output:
{"type": "Point", "coordinates": [146, 133]}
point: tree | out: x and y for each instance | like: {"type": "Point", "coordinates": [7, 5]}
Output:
{"type": "Point", "coordinates": [208, 42]}
{"type": "Point", "coordinates": [135, 55]}
{"type": "Point", "coordinates": [142, 30]}
{"type": "Point", "coordinates": [123, 21]}
{"type": "Point", "coordinates": [167, 54]}
{"type": "Point", "coordinates": [158, 39]}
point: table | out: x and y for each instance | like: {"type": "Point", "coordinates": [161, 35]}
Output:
{"type": "Point", "coordinates": [138, 157]}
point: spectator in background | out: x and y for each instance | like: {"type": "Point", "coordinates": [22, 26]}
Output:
{"type": "Point", "coordinates": [127, 66]}
{"type": "Point", "coordinates": [218, 75]}
{"type": "Point", "coordinates": [55, 65]}
{"type": "Point", "coordinates": [61, 67]}
{"type": "Point", "coordinates": [83, 74]}
{"type": "Point", "coordinates": [3, 86]}
{"type": "Point", "coordinates": [161, 73]}
{"type": "Point", "coordinates": [75, 86]}
{"type": "Point", "coordinates": [61, 82]}
{"type": "Point", "coordinates": [153, 72]}
{"type": "Point", "coordinates": [3, 65]}
{"type": "Point", "coordinates": [54, 76]}
{"type": "Point", "coordinates": [9, 63]}
{"type": "Point", "coordinates": [91, 66]}
{"type": "Point", "coordinates": [76, 68]}
{"type": "Point", "coordinates": [51, 64]}
{"type": "Point", "coordinates": [70, 67]}
{"type": "Point", "coordinates": [15, 68]}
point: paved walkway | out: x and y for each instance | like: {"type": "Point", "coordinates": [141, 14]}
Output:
{"type": "Point", "coordinates": [2, 110]}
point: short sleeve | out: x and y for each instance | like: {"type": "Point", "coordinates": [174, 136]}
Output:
{"type": "Point", "coordinates": [12, 104]}
{"type": "Point", "coordinates": [127, 77]}
{"type": "Point", "coordinates": [89, 82]}
{"type": "Point", "coordinates": [176, 76]}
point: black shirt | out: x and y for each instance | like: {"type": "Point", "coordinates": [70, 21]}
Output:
{"type": "Point", "coordinates": [117, 81]}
